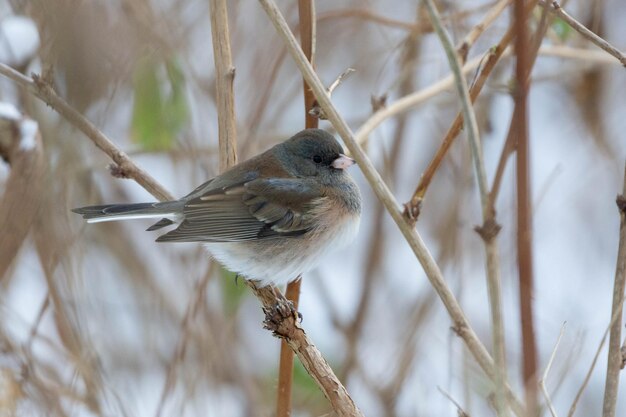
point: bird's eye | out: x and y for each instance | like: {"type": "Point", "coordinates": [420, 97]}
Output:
{"type": "Point", "coordinates": [317, 159]}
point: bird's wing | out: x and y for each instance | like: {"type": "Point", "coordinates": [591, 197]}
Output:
{"type": "Point", "coordinates": [258, 209]}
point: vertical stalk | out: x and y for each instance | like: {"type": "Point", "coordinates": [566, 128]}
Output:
{"type": "Point", "coordinates": [225, 76]}
{"type": "Point", "coordinates": [524, 211]}
{"type": "Point", "coordinates": [306, 11]}
{"type": "Point", "coordinates": [489, 230]}
{"type": "Point", "coordinates": [614, 360]}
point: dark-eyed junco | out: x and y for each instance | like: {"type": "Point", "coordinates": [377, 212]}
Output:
{"type": "Point", "coordinates": [270, 218]}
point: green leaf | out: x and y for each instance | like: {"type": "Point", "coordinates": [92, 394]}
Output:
{"type": "Point", "coordinates": [160, 108]}
{"type": "Point", "coordinates": [561, 28]}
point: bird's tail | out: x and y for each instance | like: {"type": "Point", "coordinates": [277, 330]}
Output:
{"type": "Point", "coordinates": [171, 210]}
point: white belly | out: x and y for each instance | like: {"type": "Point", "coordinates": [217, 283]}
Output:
{"type": "Point", "coordinates": [281, 260]}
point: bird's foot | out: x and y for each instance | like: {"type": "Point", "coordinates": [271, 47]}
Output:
{"type": "Point", "coordinates": [282, 318]}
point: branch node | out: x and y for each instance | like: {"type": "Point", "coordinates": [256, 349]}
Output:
{"type": "Point", "coordinates": [378, 102]}
{"type": "Point", "coordinates": [621, 203]}
{"type": "Point", "coordinates": [460, 329]}
{"type": "Point", "coordinates": [623, 355]}
{"type": "Point", "coordinates": [316, 110]}
{"type": "Point", "coordinates": [412, 211]}
{"type": "Point", "coordinates": [489, 230]}
{"type": "Point", "coordinates": [118, 171]}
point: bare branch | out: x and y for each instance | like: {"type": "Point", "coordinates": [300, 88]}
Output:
{"type": "Point", "coordinates": [556, 8]}
{"type": "Point", "coordinates": [542, 381]}
{"type": "Point", "coordinates": [432, 270]}
{"type": "Point", "coordinates": [286, 326]}
{"type": "Point", "coordinates": [614, 360]}
{"type": "Point", "coordinates": [44, 91]}
{"type": "Point", "coordinates": [225, 76]}
{"type": "Point", "coordinates": [491, 248]}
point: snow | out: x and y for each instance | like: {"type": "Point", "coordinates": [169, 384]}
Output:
{"type": "Point", "coordinates": [9, 111]}
{"type": "Point", "coordinates": [28, 130]}
{"type": "Point", "coordinates": [19, 40]}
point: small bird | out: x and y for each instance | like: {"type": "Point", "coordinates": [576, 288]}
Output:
{"type": "Point", "coordinates": [268, 219]}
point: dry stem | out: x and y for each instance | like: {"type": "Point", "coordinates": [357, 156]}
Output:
{"type": "Point", "coordinates": [556, 8]}
{"type": "Point", "coordinates": [225, 76]}
{"type": "Point", "coordinates": [41, 89]}
{"type": "Point", "coordinates": [489, 239]}
{"type": "Point", "coordinates": [310, 357]}
{"type": "Point", "coordinates": [544, 377]}
{"type": "Point", "coordinates": [614, 360]}
{"type": "Point", "coordinates": [431, 269]}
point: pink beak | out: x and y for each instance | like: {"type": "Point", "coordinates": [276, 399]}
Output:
{"type": "Point", "coordinates": [343, 162]}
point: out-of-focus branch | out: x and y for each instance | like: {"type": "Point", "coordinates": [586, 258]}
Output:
{"type": "Point", "coordinates": [369, 15]}
{"type": "Point", "coordinates": [489, 238]}
{"type": "Point", "coordinates": [469, 39]}
{"type": "Point", "coordinates": [412, 208]}
{"type": "Point", "coordinates": [284, 323]}
{"type": "Point", "coordinates": [556, 8]}
{"type": "Point", "coordinates": [544, 377]}
{"type": "Point", "coordinates": [407, 102]}
{"type": "Point", "coordinates": [614, 318]}
{"type": "Point", "coordinates": [20, 145]}
{"type": "Point", "coordinates": [306, 11]}
{"type": "Point", "coordinates": [225, 76]}
{"type": "Point", "coordinates": [124, 167]}
{"type": "Point", "coordinates": [614, 361]}
{"type": "Point", "coordinates": [461, 324]}
{"type": "Point", "coordinates": [519, 124]}
{"type": "Point", "coordinates": [275, 305]}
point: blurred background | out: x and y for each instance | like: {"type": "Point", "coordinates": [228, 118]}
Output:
{"type": "Point", "coordinates": [101, 320]}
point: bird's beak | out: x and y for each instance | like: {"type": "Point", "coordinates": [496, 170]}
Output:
{"type": "Point", "coordinates": [343, 162]}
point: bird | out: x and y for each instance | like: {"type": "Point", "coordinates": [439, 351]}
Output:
{"type": "Point", "coordinates": [268, 219]}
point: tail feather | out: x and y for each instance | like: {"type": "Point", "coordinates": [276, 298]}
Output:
{"type": "Point", "coordinates": [112, 212]}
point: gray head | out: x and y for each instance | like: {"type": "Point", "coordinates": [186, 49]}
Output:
{"type": "Point", "coordinates": [315, 153]}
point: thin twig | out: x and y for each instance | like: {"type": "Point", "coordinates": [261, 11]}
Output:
{"type": "Point", "coordinates": [460, 322]}
{"type": "Point", "coordinates": [542, 381]}
{"type": "Point", "coordinates": [489, 239]}
{"type": "Point", "coordinates": [469, 39]}
{"type": "Point", "coordinates": [224, 78]}
{"type": "Point", "coordinates": [614, 318]}
{"type": "Point", "coordinates": [413, 207]}
{"type": "Point", "coordinates": [614, 361]}
{"type": "Point", "coordinates": [556, 8]}
{"type": "Point", "coordinates": [407, 102]}
{"type": "Point", "coordinates": [459, 409]}
{"type": "Point", "coordinates": [41, 89]}
{"type": "Point", "coordinates": [316, 111]}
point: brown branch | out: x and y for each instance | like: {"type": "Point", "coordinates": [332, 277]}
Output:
{"type": "Point", "coordinates": [469, 39]}
{"type": "Point", "coordinates": [489, 239]}
{"type": "Point", "coordinates": [460, 322]}
{"type": "Point", "coordinates": [306, 12]}
{"type": "Point", "coordinates": [41, 89]}
{"type": "Point", "coordinates": [282, 320]}
{"type": "Point", "coordinates": [413, 207]}
{"type": "Point", "coordinates": [369, 15]}
{"type": "Point", "coordinates": [225, 76]}
{"type": "Point", "coordinates": [524, 208]}
{"type": "Point", "coordinates": [21, 199]}
{"type": "Point", "coordinates": [556, 8]}
{"type": "Point", "coordinates": [510, 142]}
{"type": "Point", "coordinates": [614, 361]}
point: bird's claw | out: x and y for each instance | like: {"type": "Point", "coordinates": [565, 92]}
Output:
{"type": "Point", "coordinates": [278, 318]}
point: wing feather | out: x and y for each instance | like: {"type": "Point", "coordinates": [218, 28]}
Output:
{"type": "Point", "coordinates": [258, 209]}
